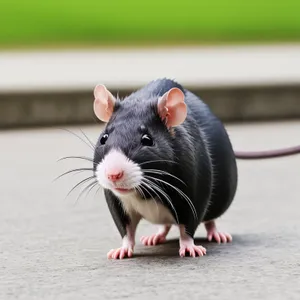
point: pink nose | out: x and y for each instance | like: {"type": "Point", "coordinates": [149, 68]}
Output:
{"type": "Point", "coordinates": [115, 175]}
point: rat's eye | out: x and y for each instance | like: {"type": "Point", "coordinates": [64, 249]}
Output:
{"type": "Point", "coordinates": [104, 139]}
{"type": "Point", "coordinates": [147, 140]}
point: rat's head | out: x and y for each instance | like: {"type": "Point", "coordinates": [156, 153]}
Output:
{"type": "Point", "coordinates": [136, 144]}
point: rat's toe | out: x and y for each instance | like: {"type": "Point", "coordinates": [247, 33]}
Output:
{"type": "Point", "coordinates": [120, 253]}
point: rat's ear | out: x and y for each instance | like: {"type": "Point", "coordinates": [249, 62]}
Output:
{"type": "Point", "coordinates": [104, 103]}
{"type": "Point", "coordinates": [171, 107]}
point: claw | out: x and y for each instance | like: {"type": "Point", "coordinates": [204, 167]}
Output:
{"type": "Point", "coordinates": [120, 253]}
{"type": "Point", "coordinates": [193, 250]}
{"type": "Point", "coordinates": [153, 239]}
{"type": "Point", "coordinates": [213, 233]}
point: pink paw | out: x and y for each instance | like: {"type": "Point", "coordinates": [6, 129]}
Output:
{"type": "Point", "coordinates": [193, 250]}
{"type": "Point", "coordinates": [219, 237]}
{"type": "Point", "coordinates": [213, 233]}
{"type": "Point", "coordinates": [120, 253]}
{"type": "Point", "coordinates": [153, 239]}
{"type": "Point", "coordinates": [187, 244]}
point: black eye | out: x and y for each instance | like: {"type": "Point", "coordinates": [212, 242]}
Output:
{"type": "Point", "coordinates": [104, 139]}
{"type": "Point", "coordinates": [147, 140]}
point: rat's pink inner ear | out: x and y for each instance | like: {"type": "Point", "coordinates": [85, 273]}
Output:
{"type": "Point", "coordinates": [172, 108]}
{"type": "Point", "coordinates": [104, 103]}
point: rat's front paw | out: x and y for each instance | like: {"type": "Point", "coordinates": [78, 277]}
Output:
{"type": "Point", "coordinates": [187, 245]}
{"type": "Point", "coordinates": [125, 251]}
{"type": "Point", "coordinates": [192, 249]}
{"type": "Point", "coordinates": [120, 253]}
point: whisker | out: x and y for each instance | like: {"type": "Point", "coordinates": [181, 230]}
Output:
{"type": "Point", "coordinates": [152, 185]}
{"type": "Point", "coordinates": [78, 172]}
{"type": "Point", "coordinates": [132, 181]}
{"type": "Point", "coordinates": [76, 157]}
{"type": "Point", "coordinates": [88, 188]}
{"type": "Point", "coordinates": [95, 184]}
{"type": "Point", "coordinates": [71, 171]}
{"type": "Point", "coordinates": [100, 187]}
{"type": "Point", "coordinates": [79, 183]}
{"type": "Point", "coordinates": [93, 145]}
{"type": "Point", "coordinates": [155, 186]}
{"type": "Point", "coordinates": [140, 191]}
{"type": "Point", "coordinates": [166, 196]}
{"type": "Point", "coordinates": [145, 185]}
{"type": "Point", "coordinates": [160, 172]}
{"type": "Point", "coordinates": [163, 160]}
{"type": "Point", "coordinates": [180, 192]}
{"type": "Point", "coordinates": [78, 136]}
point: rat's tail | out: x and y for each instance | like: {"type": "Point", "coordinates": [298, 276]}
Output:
{"type": "Point", "coordinates": [268, 153]}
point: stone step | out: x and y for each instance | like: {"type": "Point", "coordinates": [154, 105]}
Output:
{"type": "Point", "coordinates": [240, 83]}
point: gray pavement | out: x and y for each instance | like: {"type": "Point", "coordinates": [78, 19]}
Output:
{"type": "Point", "coordinates": [55, 248]}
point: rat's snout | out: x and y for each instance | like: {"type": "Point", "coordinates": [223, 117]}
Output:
{"type": "Point", "coordinates": [114, 174]}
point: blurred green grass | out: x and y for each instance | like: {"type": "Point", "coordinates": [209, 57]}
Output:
{"type": "Point", "coordinates": [58, 23]}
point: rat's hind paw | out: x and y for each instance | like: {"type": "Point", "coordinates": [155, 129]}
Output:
{"type": "Point", "coordinates": [154, 239]}
{"type": "Point", "coordinates": [213, 233]}
{"type": "Point", "coordinates": [157, 238]}
{"type": "Point", "coordinates": [219, 237]}
{"type": "Point", "coordinates": [120, 253]}
{"type": "Point", "coordinates": [192, 249]}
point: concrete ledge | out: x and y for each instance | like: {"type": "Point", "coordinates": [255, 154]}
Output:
{"type": "Point", "coordinates": [231, 104]}
{"type": "Point", "coordinates": [239, 83]}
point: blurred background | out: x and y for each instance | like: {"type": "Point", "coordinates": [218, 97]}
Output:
{"type": "Point", "coordinates": [97, 23]}
{"type": "Point", "coordinates": [242, 58]}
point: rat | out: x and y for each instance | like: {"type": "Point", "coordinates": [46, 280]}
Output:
{"type": "Point", "coordinates": [165, 157]}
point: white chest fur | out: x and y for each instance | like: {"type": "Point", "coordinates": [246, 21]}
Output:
{"type": "Point", "coordinates": [151, 210]}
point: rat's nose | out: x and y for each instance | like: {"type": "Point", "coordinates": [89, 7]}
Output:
{"type": "Point", "coordinates": [114, 175]}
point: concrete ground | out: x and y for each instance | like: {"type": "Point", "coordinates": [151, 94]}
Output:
{"type": "Point", "coordinates": [55, 248]}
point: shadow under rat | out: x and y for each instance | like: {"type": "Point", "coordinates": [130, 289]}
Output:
{"type": "Point", "coordinates": [169, 249]}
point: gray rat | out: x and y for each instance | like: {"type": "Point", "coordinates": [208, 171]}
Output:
{"type": "Point", "coordinates": [165, 157]}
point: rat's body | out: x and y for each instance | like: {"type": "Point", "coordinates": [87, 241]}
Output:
{"type": "Point", "coordinates": [167, 162]}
